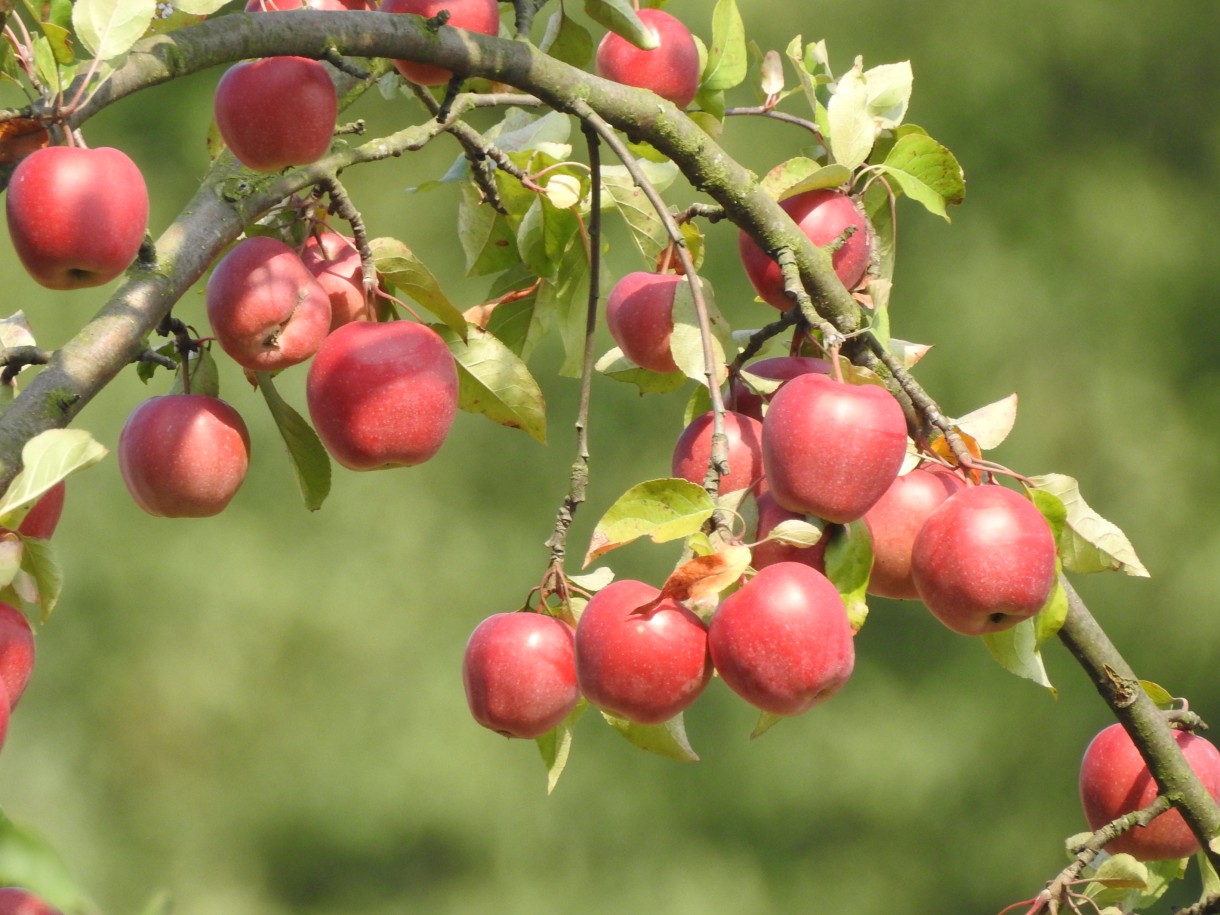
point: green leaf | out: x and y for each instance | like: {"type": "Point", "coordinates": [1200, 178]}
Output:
{"type": "Point", "coordinates": [664, 510]}
{"type": "Point", "coordinates": [1160, 696]}
{"type": "Point", "coordinates": [108, 28]}
{"type": "Point", "coordinates": [43, 575]}
{"type": "Point", "coordinates": [1049, 620]}
{"type": "Point", "coordinates": [796, 532]}
{"type": "Point", "coordinates": [11, 552]}
{"type": "Point", "coordinates": [849, 560]}
{"type": "Point", "coordinates": [667, 738]}
{"type": "Point", "coordinates": [766, 721]}
{"type": "Point", "coordinates": [308, 457]}
{"type": "Point", "coordinates": [493, 381]}
{"type": "Point", "coordinates": [46, 459]}
{"type": "Point", "coordinates": [59, 39]}
{"type": "Point", "coordinates": [727, 58]}
{"type": "Point", "coordinates": [487, 239]}
{"type": "Point", "coordinates": [617, 366]}
{"type": "Point", "coordinates": [544, 234]}
{"type": "Point", "coordinates": [1088, 542]}
{"type": "Point", "coordinates": [1115, 877]}
{"type": "Point", "coordinates": [926, 172]}
{"type": "Point", "coordinates": [1016, 651]}
{"type": "Point", "coordinates": [852, 129]}
{"type": "Point", "coordinates": [619, 16]}
{"type": "Point", "coordinates": [567, 40]}
{"type": "Point", "coordinates": [199, 7]}
{"type": "Point", "coordinates": [205, 376]}
{"type": "Point", "coordinates": [521, 131]}
{"type": "Point", "coordinates": [686, 341]}
{"type": "Point", "coordinates": [990, 425]}
{"type": "Point", "coordinates": [801, 174]}
{"type": "Point", "coordinates": [807, 76]}
{"type": "Point", "coordinates": [643, 222]}
{"type": "Point", "coordinates": [28, 860]}
{"type": "Point", "coordinates": [556, 745]}
{"type": "Point", "coordinates": [410, 276]}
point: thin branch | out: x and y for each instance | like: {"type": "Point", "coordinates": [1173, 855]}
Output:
{"type": "Point", "coordinates": [762, 111]}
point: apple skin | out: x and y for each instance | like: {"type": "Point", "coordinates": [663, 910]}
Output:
{"type": "Point", "coordinates": [693, 450]}
{"type": "Point", "coordinates": [783, 641]}
{"type": "Point", "coordinates": [266, 309]}
{"type": "Point", "coordinates": [382, 395]}
{"type": "Point", "coordinates": [984, 560]}
{"type": "Point", "coordinates": [832, 449]}
{"type": "Point", "coordinates": [775, 368]}
{"type": "Point", "coordinates": [770, 514]}
{"type": "Point", "coordinates": [183, 455]}
{"type": "Point", "coordinates": [823, 215]}
{"type": "Point", "coordinates": [16, 901]}
{"type": "Point", "coordinates": [894, 522]}
{"type": "Point", "coordinates": [275, 112]}
{"type": "Point", "coordinates": [671, 69]}
{"type": "Point", "coordinates": [16, 653]}
{"type": "Point", "coordinates": [77, 216]}
{"type": "Point", "coordinates": [335, 263]}
{"type": "Point", "coordinates": [481, 16]}
{"type": "Point", "coordinates": [41, 520]}
{"type": "Point", "coordinates": [275, 6]}
{"type": "Point", "coordinates": [519, 671]}
{"type": "Point", "coordinates": [1114, 780]}
{"type": "Point", "coordinates": [645, 667]}
{"type": "Point", "coordinates": [640, 316]}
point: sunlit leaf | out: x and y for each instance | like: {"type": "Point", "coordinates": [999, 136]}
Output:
{"type": "Point", "coordinates": [795, 532]}
{"type": "Point", "coordinates": [1088, 543]}
{"type": "Point", "coordinates": [667, 739]}
{"type": "Point", "coordinates": [801, 174]}
{"type": "Point", "coordinates": [404, 271]}
{"type": "Point", "coordinates": [990, 425]}
{"type": "Point", "coordinates": [686, 341]}
{"type": "Point", "coordinates": [926, 172]}
{"type": "Point", "coordinates": [727, 59]}
{"type": "Point", "coordinates": [11, 551]}
{"type": "Point", "coordinates": [620, 192]}
{"type": "Point", "coordinates": [46, 459]}
{"type": "Point", "coordinates": [555, 746]}
{"type": "Point", "coordinates": [852, 129]}
{"type": "Point", "coordinates": [1015, 649]}
{"type": "Point", "coordinates": [310, 462]}
{"type": "Point", "coordinates": [663, 510]}
{"type": "Point", "coordinates": [199, 7]}
{"type": "Point", "coordinates": [593, 581]}
{"type": "Point", "coordinates": [849, 560]}
{"type": "Point", "coordinates": [766, 721]}
{"type": "Point", "coordinates": [617, 366]}
{"type": "Point", "coordinates": [108, 28]}
{"type": "Point", "coordinates": [704, 577]}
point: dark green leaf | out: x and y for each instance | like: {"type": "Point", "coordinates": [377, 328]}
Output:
{"type": "Point", "coordinates": [619, 16]}
{"type": "Point", "coordinates": [567, 40]}
{"type": "Point", "coordinates": [28, 860]}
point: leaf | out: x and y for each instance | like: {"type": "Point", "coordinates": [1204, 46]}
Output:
{"type": "Point", "coordinates": [593, 581]}
{"type": "Point", "coordinates": [619, 192]}
{"type": "Point", "coordinates": [410, 276]}
{"type": "Point", "coordinates": [617, 366]}
{"type": "Point", "coordinates": [522, 131]}
{"type": "Point", "coordinates": [108, 28]}
{"type": "Point", "coordinates": [544, 234]}
{"type": "Point", "coordinates": [849, 559]}
{"type": "Point", "coordinates": [619, 16]}
{"type": "Point", "coordinates": [766, 721]}
{"type": "Point", "coordinates": [567, 40]}
{"type": "Point", "coordinates": [852, 130]}
{"type": "Point", "coordinates": [494, 382]}
{"type": "Point", "coordinates": [309, 459]}
{"type": "Point", "coordinates": [1088, 542]}
{"type": "Point", "coordinates": [663, 510]}
{"type": "Point", "coordinates": [989, 425]}
{"type": "Point", "coordinates": [1160, 696]}
{"type": "Point", "coordinates": [1114, 876]}
{"type": "Point", "coordinates": [205, 376]}
{"type": "Point", "coordinates": [667, 739]}
{"type": "Point", "coordinates": [563, 191]}
{"type": "Point", "coordinates": [798, 54]}
{"type": "Point", "coordinates": [46, 459]}
{"type": "Point", "coordinates": [556, 745]}
{"type": "Point", "coordinates": [45, 575]}
{"type": "Point", "coordinates": [1016, 651]}
{"type": "Point", "coordinates": [199, 7]}
{"type": "Point", "coordinates": [801, 174]}
{"type": "Point", "coordinates": [727, 58]}
{"type": "Point", "coordinates": [704, 577]}
{"type": "Point", "coordinates": [686, 341]}
{"type": "Point", "coordinates": [487, 240]}
{"type": "Point", "coordinates": [795, 532]}
{"type": "Point", "coordinates": [927, 172]}
{"type": "Point", "coordinates": [562, 304]}
{"type": "Point", "coordinates": [11, 551]}
{"type": "Point", "coordinates": [771, 74]}
{"type": "Point", "coordinates": [28, 860]}
{"type": "Point", "coordinates": [1049, 620]}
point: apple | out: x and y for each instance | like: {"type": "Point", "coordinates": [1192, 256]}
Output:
{"type": "Point", "coordinates": [783, 641]}
{"type": "Point", "coordinates": [895, 520]}
{"type": "Point", "coordinates": [823, 215]}
{"type": "Point", "coordinates": [481, 16]}
{"type": "Point", "coordinates": [16, 653]}
{"type": "Point", "coordinates": [984, 560]}
{"type": "Point", "coordinates": [776, 368]}
{"type": "Point", "coordinates": [519, 670]}
{"type": "Point", "coordinates": [671, 69]}
{"type": "Point", "coordinates": [266, 309]}
{"type": "Point", "coordinates": [16, 901]}
{"type": "Point", "coordinates": [382, 395]}
{"type": "Point", "coordinates": [640, 316]}
{"type": "Point", "coordinates": [183, 455]}
{"type": "Point", "coordinates": [335, 263]}
{"type": "Point", "coordinates": [770, 552]}
{"type": "Point", "coordinates": [645, 667]}
{"type": "Point", "coordinates": [77, 216]}
{"type": "Point", "coordinates": [1114, 780]}
{"type": "Point", "coordinates": [274, 6]}
{"type": "Point", "coordinates": [275, 112]}
{"type": "Point", "coordinates": [693, 451]}
{"type": "Point", "coordinates": [41, 520]}
{"type": "Point", "coordinates": [832, 449]}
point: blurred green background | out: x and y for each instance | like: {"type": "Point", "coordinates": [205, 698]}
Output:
{"type": "Point", "coordinates": [262, 712]}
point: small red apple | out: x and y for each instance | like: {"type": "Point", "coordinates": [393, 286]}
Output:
{"type": "Point", "coordinates": [16, 901]}
{"type": "Point", "coordinates": [519, 670]}
{"type": "Point", "coordinates": [823, 215]}
{"type": "Point", "coordinates": [776, 368]}
{"type": "Point", "coordinates": [335, 263]}
{"type": "Point", "coordinates": [984, 560]}
{"type": "Point", "coordinates": [275, 112]}
{"type": "Point", "coordinates": [640, 316]}
{"type": "Point", "coordinates": [783, 641]}
{"type": "Point", "coordinates": [1114, 780]}
{"type": "Point", "coordinates": [481, 16]}
{"type": "Point", "coordinates": [671, 69]}
{"type": "Point", "coordinates": [645, 667]}
{"type": "Point", "coordinates": [382, 395]}
{"type": "Point", "coordinates": [183, 455]}
{"type": "Point", "coordinates": [16, 653]}
{"type": "Point", "coordinates": [41, 520]}
{"type": "Point", "coordinates": [77, 216]}
{"type": "Point", "coordinates": [274, 6]}
{"type": "Point", "coordinates": [895, 520]}
{"type": "Point", "coordinates": [266, 309]}
{"type": "Point", "coordinates": [693, 451]}
{"type": "Point", "coordinates": [770, 552]}
{"type": "Point", "coordinates": [832, 449]}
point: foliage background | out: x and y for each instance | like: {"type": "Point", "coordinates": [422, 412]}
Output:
{"type": "Point", "coordinates": [262, 712]}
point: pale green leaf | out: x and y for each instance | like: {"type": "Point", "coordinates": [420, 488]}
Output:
{"type": "Point", "coordinates": [617, 366]}
{"type": "Point", "coordinates": [849, 560]}
{"type": "Point", "coordinates": [11, 551]}
{"type": "Point", "coordinates": [199, 7]}
{"type": "Point", "coordinates": [1088, 542]}
{"type": "Point", "coordinates": [44, 575]}
{"type": "Point", "coordinates": [620, 17]}
{"type": "Point", "coordinates": [1015, 649]}
{"type": "Point", "coordinates": [800, 174]}
{"type": "Point", "coordinates": [555, 746]}
{"type": "Point", "coordinates": [663, 510]}
{"type": "Point", "coordinates": [989, 425]}
{"type": "Point", "coordinates": [795, 532]}
{"type": "Point", "coordinates": [852, 129]}
{"type": "Point", "coordinates": [686, 341]}
{"type": "Point", "coordinates": [727, 58]}
{"type": "Point", "coordinates": [28, 860]}
{"type": "Point", "coordinates": [309, 459]}
{"type": "Point", "coordinates": [766, 721]}
{"type": "Point", "coordinates": [593, 581]}
{"type": "Point", "coordinates": [619, 192]}
{"type": "Point", "coordinates": [108, 28]}
{"type": "Point", "coordinates": [403, 270]}
{"type": "Point", "coordinates": [46, 459]}
{"type": "Point", "coordinates": [666, 739]}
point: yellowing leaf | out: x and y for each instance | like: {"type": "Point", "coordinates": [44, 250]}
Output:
{"type": "Point", "coordinates": [705, 577]}
{"type": "Point", "coordinates": [663, 510]}
{"type": "Point", "coordinates": [990, 425]}
{"type": "Point", "coordinates": [1088, 542]}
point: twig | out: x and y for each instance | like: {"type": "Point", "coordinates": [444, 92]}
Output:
{"type": "Point", "coordinates": [342, 206]}
{"type": "Point", "coordinates": [762, 111]}
{"type": "Point", "coordinates": [15, 358]}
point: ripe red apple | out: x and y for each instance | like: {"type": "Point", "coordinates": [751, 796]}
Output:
{"type": "Point", "coordinates": [41, 520]}
{"type": "Point", "coordinates": [266, 309]}
{"type": "Point", "coordinates": [16, 653]}
{"type": "Point", "coordinates": [783, 641]}
{"type": "Point", "coordinates": [275, 112]}
{"type": "Point", "coordinates": [832, 449]}
{"type": "Point", "coordinates": [645, 667]}
{"type": "Point", "coordinates": [183, 455]}
{"type": "Point", "coordinates": [519, 671]}
{"type": "Point", "coordinates": [1114, 780]}
{"type": "Point", "coordinates": [776, 368]}
{"type": "Point", "coordinates": [693, 450]}
{"type": "Point", "coordinates": [770, 552]}
{"type": "Point", "coordinates": [335, 263]}
{"type": "Point", "coordinates": [273, 6]}
{"type": "Point", "coordinates": [77, 216]}
{"type": "Point", "coordinates": [671, 69]}
{"type": "Point", "coordinates": [481, 16]}
{"type": "Point", "coordinates": [16, 901]}
{"type": "Point", "coordinates": [823, 215]}
{"type": "Point", "coordinates": [895, 520]}
{"type": "Point", "coordinates": [984, 560]}
{"type": "Point", "coordinates": [640, 316]}
{"type": "Point", "coordinates": [382, 395]}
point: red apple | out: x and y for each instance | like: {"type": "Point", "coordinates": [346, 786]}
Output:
{"type": "Point", "coordinates": [16, 901]}
{"type": "Point", "coordinates": [645, 667]}
{"type": "Point", "coordinates": [693, 451]}
{"type": "Point", "coordinates": [671, 69]}
{"type": "Point", "coordinates": [335, 263]}
{"type": "Point", "coordinates": [481, 16]}
{"type": "Point", "coordinates": [266, 309]}
{"type": "Point", "coordinates": [1114, 780]}
{"type": "Point", "coordinates": [776, 368]}
{"type": "Point", "coordinates": [382, 395]}
{"type": "Point", "coordinates": [640, 316]}
{"type": "Point", "coordinates": [273, 6]}
{"type": "Point", "coordinates": [519, 671]}
{"type": "Point", "coordinates": [77, 216]}
{"type": "Point", "coordinates": [183, 455]}
{"type": "Point", "coordinates": [984, 560]}
{"type": "Point", "coordinates": [895, 520]}
{"type": "Point", "coordinates": [16, 653]}
{"type": "Point", "coordinates": [770, 552]}
{"type": "Point", "coordinates": [832, 449]}
{"type": "Point", "coordinates": [41, 520]}
{"type": "Point", "coordinates": [823, 215]}
{"type": "Point", "coordinates": [275, 112]}
{"type": "Point", "coordinates": [783, 641]}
